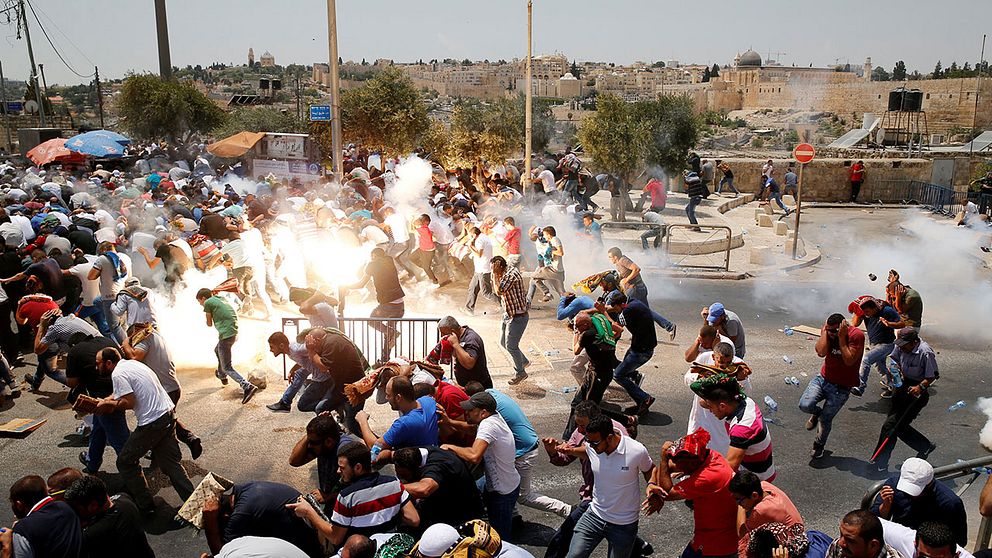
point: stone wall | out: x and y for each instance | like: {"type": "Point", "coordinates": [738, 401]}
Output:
{"type": "Point", "coordinates": [828, 180]}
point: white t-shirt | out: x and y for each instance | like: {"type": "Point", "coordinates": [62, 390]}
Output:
{"type": "Point", "coordinates": [150, 399]}
{"type": "Point", "coordinates": [261, 547]}
{"type": "Point", "coordinates": [91, 287]}
{"type": "Point", "coordinates": [903, 539]}
{"type": "Point", "coordinates": [399, 226]}
{"type": "Point", "coordinates": [105, 219]}
{"type": "Point", "coordinates": [501, 473]}
{"type": "Point", "coordinates": [700, 417]}
{"type": "Point", "coordinates": [375, 235]}
{"type": "Point", "coordinates": [482, 263]}
{"type": "Point", "coordinates": [556, 261]}
{"type": "Point", "coordinates": [616, 495]}
{"type": "Point", "coordinates": [106, 234]}
{"type": "Point", "coordinates": [441, 231]}
{"type": "Point", "coordinates": [547, 180]}
{"type": "Point", "coordinates": [25, 224]}
{"type": "Point", "coordinates": [235, 249]}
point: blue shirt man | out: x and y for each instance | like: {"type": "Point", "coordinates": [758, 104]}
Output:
{"type": "Point", "coordinates": [416, 428]}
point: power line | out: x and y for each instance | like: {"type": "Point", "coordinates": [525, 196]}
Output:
{"type": "Point", "coordinates": [59, 29]}
{"type": "Point", "coordinates": [52, 44]}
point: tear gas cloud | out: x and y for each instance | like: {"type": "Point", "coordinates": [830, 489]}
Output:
{"type": "Point", "coordinates": [985, 406]}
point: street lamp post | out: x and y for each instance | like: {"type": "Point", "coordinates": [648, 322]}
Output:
{"type": "Point", "coordinates": [332, 47]}
{"type": "Point", "coordinates": [528, 107]}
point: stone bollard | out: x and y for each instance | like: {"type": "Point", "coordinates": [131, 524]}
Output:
{"type": "Point", "coordinates": [764, 220]}
{"type": "Point", "coordinates": [800, 251]}
{"type": "Point", "coordinates": [761, 256]}
{"type": "Point", "coordinates": [781, 228]}
{"type": "Point", "coordinates": [768, 209]}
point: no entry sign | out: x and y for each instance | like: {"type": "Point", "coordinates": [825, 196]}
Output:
{"type": "Point", "coordinates": [804, 153]}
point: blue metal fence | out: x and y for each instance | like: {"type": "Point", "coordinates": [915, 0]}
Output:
{"type": "Point", "coordinates": [936, 198]}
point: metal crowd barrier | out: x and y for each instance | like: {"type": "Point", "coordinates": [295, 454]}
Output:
{"type": "Point", "coordinates": [974, 468]}
{"type": "Point", "coordinates": [936, 198]}
{"type": "Point", "coordinates": [417, 336]}
{"type": "Point", "coordinates": [694, 247]}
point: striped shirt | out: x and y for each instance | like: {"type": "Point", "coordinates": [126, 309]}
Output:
{"type": "Point", "coordinates": [58, 333]}
{"type": "Point", "coordinates": [371, 504]}
{"type": "Point", "coordinates": [748, 432]}
{"type": "Point", "coordinates": [511, 291]}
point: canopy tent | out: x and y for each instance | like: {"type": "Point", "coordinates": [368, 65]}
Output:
{"type": "Point", "coordinates": [236, 145]}
{"type": "Point", "coordinates": [54, 150]}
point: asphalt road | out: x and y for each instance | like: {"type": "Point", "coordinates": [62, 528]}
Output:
{"type": "Point", "coordinates": [248, 442]}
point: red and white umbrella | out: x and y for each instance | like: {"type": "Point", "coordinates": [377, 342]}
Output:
{"type": "Point", "coordinates": [54, 150]}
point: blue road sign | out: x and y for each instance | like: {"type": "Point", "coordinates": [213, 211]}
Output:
{"type": "Point", "coordinates": [320, 113]}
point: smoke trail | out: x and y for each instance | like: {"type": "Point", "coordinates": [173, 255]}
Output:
{"type": "Point", "coordinates": [413, 186]}
{"type": "Point", "coordinates": [985, 436]}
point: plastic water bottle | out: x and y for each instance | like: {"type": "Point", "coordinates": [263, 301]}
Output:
{"type": "Point", "coordinates": [552, 353]}
{"type": "Point", "coordinates": [771, 403]}
{"type": "Point", "coordinates": [956, 406]}
{"type": "Point", "coordinates": [786, 359]}
{"type": "Point", "coordinates": [794, 380]}
{"type": "Point", "coordinates": [788, 331]}
{"type": "Point", "coordinates": [894, 371]}
{"type": "Point", "coordinates": [569, 389]}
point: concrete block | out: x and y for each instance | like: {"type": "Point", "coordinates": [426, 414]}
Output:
{"type": "Point", "coordinates": [768, 209]}
{"type": "Point", "coordinates": [800, 251]}
{"type": "Point", "coordinates": [762, 256]}
{"type": "Point", "coordinates": [788, 200]}
{"type": "Point", "coordinates": [758, 212]}
{"type": "Point", "coordinates": [781, 228]}
{"type": "Point", "coordinates": [764, 220]}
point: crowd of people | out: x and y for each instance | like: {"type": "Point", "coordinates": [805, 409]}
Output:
{"type": "Point", "coordinates": [92, 260]}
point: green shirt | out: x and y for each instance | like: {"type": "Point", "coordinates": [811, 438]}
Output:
{"type": "Point", "coordinates": [912, 307]}
{"type": "Point", "coordinates": [223, 316]}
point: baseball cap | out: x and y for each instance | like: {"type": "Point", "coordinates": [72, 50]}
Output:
{"type": "Point", "coordinates": [481, 400]}
{"type": "Point", "coordinates": [614, 298]}
{"type": "Point", "coordinates": [914, 475]}
{"type": "Point", "coordinates": [906, 336]}
{"type": "Point", "coordinates": [716, 312]}
{"type": "Point", "coordinates": [437, 539]}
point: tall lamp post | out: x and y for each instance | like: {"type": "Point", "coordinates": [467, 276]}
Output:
{"type": "Point", "coordinates": [332, 47]}
{"type": "Point", "coordinates": [528, 107]}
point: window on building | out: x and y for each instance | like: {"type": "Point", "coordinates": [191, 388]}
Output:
{"type": "Point", "coordinates": [928, 96]}
{"type": "Point", "coordinates": [896, 164]}
{"type": "Point", "coordinates": [879, 96]}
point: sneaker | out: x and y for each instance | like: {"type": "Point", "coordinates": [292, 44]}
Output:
{"type": "Point", "coordinates": [249, 393]}
{"type": "Point", "coordinates": [817, 452]}
{"type": "Point", "coordinates": [643, 407]}
{"type": "Point", "coordinates": [195, 447]}
{"type": "Point", "coordinates": [631, 426]}
{"type": "Point", "coordinates": [671, 332]}
{"type": "Point", "coordinates": [812, 422]}
{"type": "Point", "coordinates": [858, 391]}
{"type": "Point", "coordinates": [279, 407]}
{"type": "Point", "coordinates": [15, 391]}
{"type": "Point", "coordinates": [83, 431]}
{"type": "Point", "coordinates": [519, 378]}
{"type": "Point", "coordinates": [221, 377]}
{"type": "Point", "coordinates": [926, 453]}
{"type": "Point", "coordinates": [86, 463]}
{"type": "Point", "coordinates": [29, 380]}
{"type": "Point", "coordinates": [886, 393]}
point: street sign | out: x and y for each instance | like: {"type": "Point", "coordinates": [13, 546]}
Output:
{"type": "Point", "coordinates": [804, 153]}
{"type": "Point", "coordinates": [320, 113]}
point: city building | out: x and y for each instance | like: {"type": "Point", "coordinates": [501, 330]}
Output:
{"type": "Point", "coordinates": [267, 60]}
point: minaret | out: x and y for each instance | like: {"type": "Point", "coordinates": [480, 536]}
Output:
{"type": "Point", "coordinates": [867, 70]}
{"type": "Point", "coordinates": [251, 57]}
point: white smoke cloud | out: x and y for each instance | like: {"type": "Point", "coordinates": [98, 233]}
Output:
{"type": "Point", "coordinates": [413, 186]}
{"type": "Point", "coordinates": [985, 436]}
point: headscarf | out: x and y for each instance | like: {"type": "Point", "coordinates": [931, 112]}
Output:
{"type": "Point", "coordinates": [793, 538]}
{"type": "Point", "coordinates": [720, 379]}
{"type": "Point", "coordinates": [693, 444]}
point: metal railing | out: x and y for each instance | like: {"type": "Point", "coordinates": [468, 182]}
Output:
{"type": "Point", "coordinates": [698, 247]}
{"type": "Point", "coordinates": [415, 338]}
{"type": "Point", "coordinates": [936, 198]}
{"type": "Point", "coordinates": [974, 468]}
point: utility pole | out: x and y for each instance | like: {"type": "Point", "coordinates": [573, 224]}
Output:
{"type": "Point", "coordinates": [528, 106]}
{"type": "Point", "coordinates": [162, 30]}
{"type": "Point", "coordinates": [332, 47]}
{"type": "Point", "coordinates": [34, 70]}
{"type": "Point", "coordinates": [6, 112]}
{"type": "Point", "coordinates": [44, 82]}
{"type": "Point", "coordinates": [99, 94]}
{"type": "Point", "coordinates": [978, 89]}
{"type": "Point", "coordinates": [299, 115]}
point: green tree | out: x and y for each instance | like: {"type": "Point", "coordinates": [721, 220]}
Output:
{"type": "Point", "coordinates": [574, 70]}
{"type": "Point", "coordinates": [152, 108]}
{"type": "Point", "coordinates": [880, 74]}
{"type": "Point", "coordinates": [615, 139]}
{"type": "Point", "coordinates": [938, 72]}
{"type": "Point", "coordinates": [490, 131]}
{"type": "Point", "coordinates": [437, 142]}
{"type": "Point", "coordinates": [658, 64]}
{"type": "Point", "coordinates": [706, 75]}
{"type": "Point", "coordinates": [387, 112]}
{"type": "Point", "coordinates": [715, 71]}
{"type": "Point", "coordinates": [673, 129]}
{"type": "Point", "coordinates": [542, 121]}
{"type": "Point", "coordinates": [899, 71]}
{"type": "Point", "coordinates": [259, 119]}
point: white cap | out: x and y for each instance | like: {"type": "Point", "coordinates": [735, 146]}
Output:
{"type": "Point", "coordinates": [914, 475]}
{"type": "Point", "coordinates": [437, 539]}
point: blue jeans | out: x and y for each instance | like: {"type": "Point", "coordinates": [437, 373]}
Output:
{"type": "Point", "coordinates": [591, 530]}
{"type": "Point", "coordinates": [656, 234]}
{"type": "Point", "coordinates": [95, 313]}
{"type": "Point", "coordinates": [500, 510]}
{"type": "Point", "coordinates": [512, 330]}
{"type": "Point", "coordinates": [294, 387]}
{"type": "Point", "coordinates": [318, 397]}
{"type": "Point", "coordinates": [833, 397]}
{"type": "Point", "coordinates": [46, 367]}
{"type": "Point", "coordinates": [876, 355]}
{"type": "Point", "coordinates": [110, 429]}
{"type": "Point", "coordinates": [113, 322]}
{"type": "Point", "coordinates": [730, 184]}
{"type": "Point", "coordinates": [571, 189]}
{"type": "Point", "coordinates": [777, 196]}
{"type": "Point", "coordinates": [638, 292]}
{"type": "Point", "coordinates": [224, 366]}
{"type": "Point", "coordinates": [690, 210]}
{"type": "Point", "coordinates": [626, 373]}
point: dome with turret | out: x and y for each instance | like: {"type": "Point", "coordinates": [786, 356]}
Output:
{"type": "Point", "coordinates": [750, 59]}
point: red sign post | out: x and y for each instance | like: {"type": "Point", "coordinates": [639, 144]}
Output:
{"type": "Point", "coordinates": [803, 153]}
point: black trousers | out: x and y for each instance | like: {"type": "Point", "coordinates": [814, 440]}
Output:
{"type": "Point", "coordinates": [905, 408]}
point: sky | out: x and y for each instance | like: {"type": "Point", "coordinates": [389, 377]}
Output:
{"type": "Point", "coordinates": [119, 35]}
